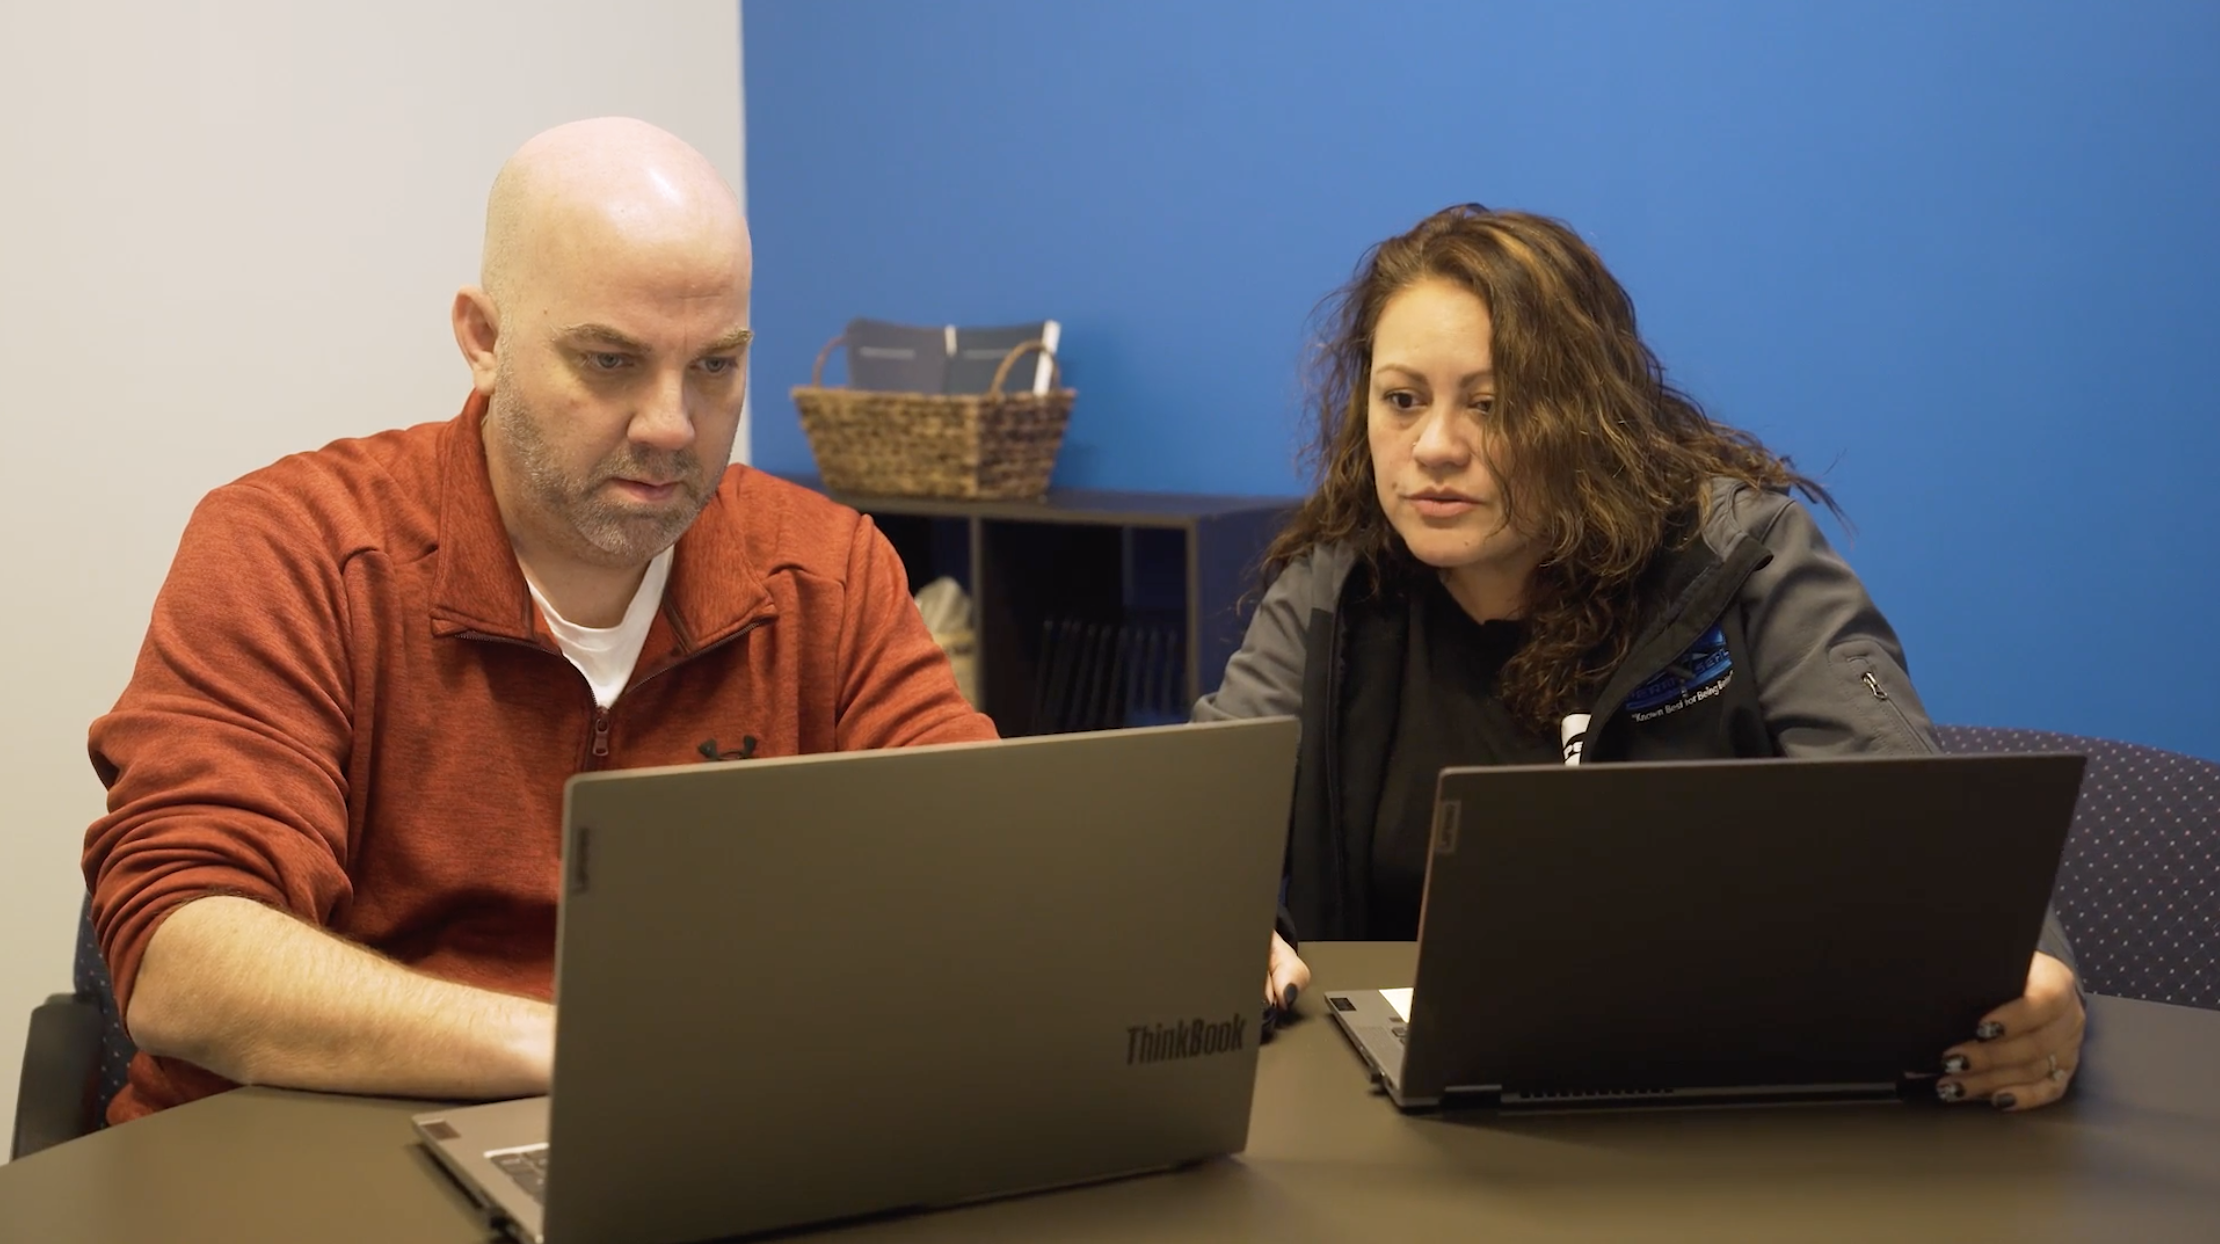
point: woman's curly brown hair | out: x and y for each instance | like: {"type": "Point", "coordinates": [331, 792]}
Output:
{"type": "Point", "coordinates": [1612, 464]}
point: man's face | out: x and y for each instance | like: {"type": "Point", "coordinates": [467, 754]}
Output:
{"type": "Point", "coordinates": [621, 364]}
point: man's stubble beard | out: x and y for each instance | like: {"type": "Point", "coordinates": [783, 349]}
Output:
{"type": "Point", "coordinates": [606, 532]}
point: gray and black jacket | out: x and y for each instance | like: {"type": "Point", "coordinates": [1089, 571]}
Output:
{"type": "Point", "coordinates": [1763, 643]}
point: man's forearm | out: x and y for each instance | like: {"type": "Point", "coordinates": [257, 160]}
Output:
{"type": "Point", "coordinates": [259, 997]}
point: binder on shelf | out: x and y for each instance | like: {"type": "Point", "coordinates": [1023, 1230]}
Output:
{"type": "Point", "coordinates": [897, 358]}
{"type": "Point", "coordinates": [1094, 675]}
{"type": "Point", "coordinates": [975, 353]}
{"type": "Point", "coordinates": [947, 358]}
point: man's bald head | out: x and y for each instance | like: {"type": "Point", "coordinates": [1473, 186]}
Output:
{"type": "Point", "coordinates": [572, 191]}
{"type": "Point", "coordinates": [609, 337]}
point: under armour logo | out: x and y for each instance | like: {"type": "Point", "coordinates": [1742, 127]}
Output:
{"type": "Point", "coordinates": [709, 751]}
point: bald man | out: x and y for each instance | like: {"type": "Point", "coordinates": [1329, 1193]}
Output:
{"type": "Point", "coordinates": [335, 779]}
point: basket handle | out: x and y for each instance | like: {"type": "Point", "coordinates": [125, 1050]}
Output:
{"type": "Point", "coordinates": [817, 373]}
{"type": "Point", "coordinates": [1002, 373]}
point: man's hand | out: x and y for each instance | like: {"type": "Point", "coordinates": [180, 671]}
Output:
{"type": "Point", "coordinates": [2025, 1051]}
{"type": "Point", "coordinates": [1285, 975]}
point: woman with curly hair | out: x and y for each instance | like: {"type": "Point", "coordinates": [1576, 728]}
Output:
{"type": "Point", "coordinates": [1526, 547]}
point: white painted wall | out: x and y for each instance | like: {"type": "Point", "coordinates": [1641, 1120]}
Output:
{"type": "Point", "coordinates": [228, 231]}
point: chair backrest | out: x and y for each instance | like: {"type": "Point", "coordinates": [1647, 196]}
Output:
{"type": "Point", "coordinates": [2139, 885]}
{"type": "Point", "coordinates": [92, 983]}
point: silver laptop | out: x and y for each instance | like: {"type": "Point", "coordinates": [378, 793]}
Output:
{"type": "Point", "coordinates": [797, 990]}
{"type": "Point", "coordinates": [1715, 932]}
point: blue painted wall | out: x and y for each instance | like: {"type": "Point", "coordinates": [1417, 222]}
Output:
{"type": "Point", "coordinates": [1960, 258]}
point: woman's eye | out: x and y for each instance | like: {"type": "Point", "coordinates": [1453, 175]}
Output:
{"type": "Point", "coordinates": [1403, 399]}
{"type": "Point", "coordinates": [1483, 405]}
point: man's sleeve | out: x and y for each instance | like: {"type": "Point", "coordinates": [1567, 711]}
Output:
{"type": "Point", "coordinates": [225, 758]}
{"type": "Point", "coordinates": [896, 689]}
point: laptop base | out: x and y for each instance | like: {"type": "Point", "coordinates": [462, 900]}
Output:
{"type": "Point", "coordinates": [1377, 1030]}
{"type": "Point", "coordinates": [469, 1141]}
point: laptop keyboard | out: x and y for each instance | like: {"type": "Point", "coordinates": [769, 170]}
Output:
{"type": "Point", "coordinates": [528, 1167]}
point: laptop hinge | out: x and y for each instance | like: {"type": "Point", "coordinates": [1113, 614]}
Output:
{"type": "Point", "coordinates": [1471, 1097]}
{"type": "Point", "coordinates": [1564, 1100]}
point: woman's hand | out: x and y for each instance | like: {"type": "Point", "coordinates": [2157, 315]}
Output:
{"type": "Point", "coordinates": [2024, 1052]}
{"type": "Point", "coordinates": [1285, 975]}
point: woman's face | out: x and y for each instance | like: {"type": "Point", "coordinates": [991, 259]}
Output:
{"type": "Point", "coordinates": [1436, 458]}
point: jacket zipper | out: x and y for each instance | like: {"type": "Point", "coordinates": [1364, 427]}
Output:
{"type": "Point", "coordinates": [598, 750]}
{"type": "Point", "coordinates": [1332, 754]}
{"type": "Point", "coordinates": [1881, 693]}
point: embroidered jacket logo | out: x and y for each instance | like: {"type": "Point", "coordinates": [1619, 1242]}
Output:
{"type": "Point", "coordinates": [710, 751]}
{"type": "Point", "coordinates": [1185, 1039]}
{"type": "Point", "coordinates": [1696, 675]}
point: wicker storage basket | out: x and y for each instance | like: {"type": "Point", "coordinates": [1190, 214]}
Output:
{"type": "Point", "coordinates": [974, 445]}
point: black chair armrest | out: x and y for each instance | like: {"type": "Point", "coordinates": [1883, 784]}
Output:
{"type": "Point", "coordinates": [55, 1100]}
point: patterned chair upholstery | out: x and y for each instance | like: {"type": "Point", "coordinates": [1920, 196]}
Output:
{"type": "Point", "coordinates": [2139, 885]}
{"type": "Point", "coordinates": [90, 979]}
{"type": "Point", "coordinates": [75, 1056]}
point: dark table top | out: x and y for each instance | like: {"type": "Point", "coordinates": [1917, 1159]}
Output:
{"type": "Point", "coordinates": [2132, 1155]}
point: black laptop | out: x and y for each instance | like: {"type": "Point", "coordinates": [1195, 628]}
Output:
{"type": "Point", "coordinates": [1715, 932]}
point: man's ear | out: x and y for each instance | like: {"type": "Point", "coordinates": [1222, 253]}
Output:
{"type": "Point", "coordinates": [477, 330]}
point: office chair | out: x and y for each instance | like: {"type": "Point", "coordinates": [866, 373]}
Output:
{"type": "Point", "coordinates": [76, 1057]}
{"type": "Point", "coordinates": [2139, 884]}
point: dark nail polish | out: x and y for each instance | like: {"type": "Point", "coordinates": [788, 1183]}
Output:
{"type": "Point", "coordinates": [1288, 996]}
{"type": "Point", "coordinates": [1956, 1064]}
{"type": "Point", "coordinates": [1989, 1030]}
{"type": "Point", "coordinates": [2004, 1101]}
{"type": "Point", "coordinates": [1949, 1090]}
